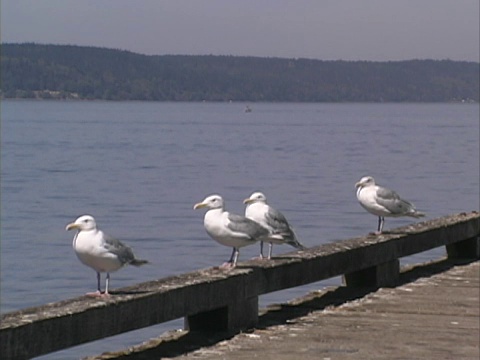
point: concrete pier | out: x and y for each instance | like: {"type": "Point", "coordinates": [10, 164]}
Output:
{"type": "Point", "coordinates": [434, 317]}
{"type": "Point", "coordinates": [434, 313]}
{"type": "Point", "coordinates": [214, 300]}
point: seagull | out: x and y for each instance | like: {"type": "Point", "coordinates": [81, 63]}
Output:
{"type": "Point", "coordinates": [99, 251]}
{"type": "Point", "coordinates": [280, 230]}
{"type": "Point", "coordinates": [229, 229]}
{"type": "Point", "coordinates": [383, 202]}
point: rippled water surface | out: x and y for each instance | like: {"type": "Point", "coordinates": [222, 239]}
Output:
{"type": "Point", "coordinates": [139, 168]}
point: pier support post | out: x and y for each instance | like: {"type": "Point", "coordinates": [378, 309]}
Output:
{"type": "Point", "coordinates": [466, 249]}
{"type": "Point", "coordinates": [236, 316]}
{"type": "Point", "coordinates": [381, 275]}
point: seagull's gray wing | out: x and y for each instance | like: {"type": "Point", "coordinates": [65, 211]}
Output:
{"type": "Point", "coordinates": [124, 253]}
{"type": "Point", "coordinates": [277, 221]}
{"type": "Point", "coordinates": [246, 226]}
{"type": "Point", "coordinates": [392, 202]}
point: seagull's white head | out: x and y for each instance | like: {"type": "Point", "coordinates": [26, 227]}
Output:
{"type": "Point", "coordinates": [210, 202]}
{"type": "Point", "coordinates": [83, 223]}
{"type": "Point", "coordinates": [256, 197]}
{"type": "Point", "coordinates": [365, 181]}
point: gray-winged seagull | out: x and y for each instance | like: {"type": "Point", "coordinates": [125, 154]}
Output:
{"type": "Point", "coordinates": [383, 202]}
{"type": "Point", "coordinates": [99, 251]}
{"type": "Point", "coordinates": [229, 229]}
{"type": "Point", "coordinates": [280, 230]}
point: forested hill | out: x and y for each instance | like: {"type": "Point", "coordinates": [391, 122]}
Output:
{"type": "Point", "coordinates": [58, 71]}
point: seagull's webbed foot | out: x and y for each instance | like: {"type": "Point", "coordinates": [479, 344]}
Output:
{"type": "Point", "coordinates": [230, 264]}
{"type": "Point", "coordinates": [97, 293]}
{"type": "Point", "coordinates": [261, 256]}
{"type": "Point", "coordinates": [227, 265]}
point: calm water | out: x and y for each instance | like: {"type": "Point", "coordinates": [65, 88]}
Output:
{"type": "Point", "coordinates": [139, 168]}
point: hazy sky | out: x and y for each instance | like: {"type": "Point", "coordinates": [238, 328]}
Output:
{"type": "Point", "coordinates": [319, 29]}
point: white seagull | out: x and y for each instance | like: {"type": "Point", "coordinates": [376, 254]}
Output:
{"type": "Point", "coordinates": [383, 202]}
{"type": "Point", "coordinates": [229, 229]}
{"type": "Point", "coordinates": [280, 230]}
{"type": "Point", "coordinates": [99, 251]}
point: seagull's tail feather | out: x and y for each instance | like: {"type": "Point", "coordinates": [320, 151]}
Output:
{"type": "Point", "coordinates": [291, 239]}
{"type": "Point", "coordinates": [297, 245]}
{"type": "Point", "coordinates": [417, 214]}
{"type": "Point", "coordinates": [137, 262]}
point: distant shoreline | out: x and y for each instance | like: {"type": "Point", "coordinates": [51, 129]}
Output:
{"type": "Point", "coordinates": [464, 102]}
{"type": "Point", "coordinates": [87, 73]}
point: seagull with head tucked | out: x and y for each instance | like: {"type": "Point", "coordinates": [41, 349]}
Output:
{"type": "Point", "coordinates": [280, 230]}
{"type": "Point", "coordinates": [99, 251]}
{"type": "Point", "coordinates": [383, 202]}
{"type": "Point", "coordinates": [229, 229]}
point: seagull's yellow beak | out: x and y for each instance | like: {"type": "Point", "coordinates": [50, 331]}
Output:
{"type": "Point", "coordinates": [248, 201]}
{"type": "Point", "coordinates": [199, 206]}
{"type": "Point", "coordinates": [358, 184]}
{"type": "Point", "coordinates": [72, 226]}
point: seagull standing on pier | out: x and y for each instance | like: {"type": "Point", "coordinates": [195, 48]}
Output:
{"type": "Point", "coordinates": [99, 251]}
{"type": "Point", "coordinates": [280, 230]}
{"type": "Point", "coordinates": [229, 229]}
{"type": "Point", "coordinates": [383, 202]}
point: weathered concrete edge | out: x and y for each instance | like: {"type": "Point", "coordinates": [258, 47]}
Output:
{"type": "Point", "coordinates": [86, 319]}
{"type": "Point", "coordinates": [106, 318]}
{"type": "Point", "coordinates": [402, 241]}
{"type": "Point", "coordinates": [293, 308]}
{"type": "Point", "coordinates": [339, 258]}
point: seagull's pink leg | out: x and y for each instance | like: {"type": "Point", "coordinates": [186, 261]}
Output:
{"type": "Point", "coordinates": [99, 293]}
{"type": "Point", "coordinates": [230, 264]}
{"type": "Point", "coordinates": [261, 256]}
{"type": "Point", "coordinates": [227, 265]}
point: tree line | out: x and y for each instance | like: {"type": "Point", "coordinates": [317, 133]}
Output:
{"type": "Point", "coordinates": [65, 71]}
